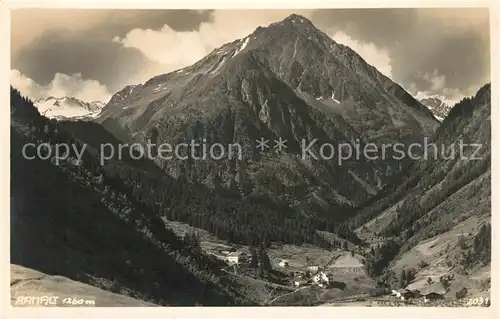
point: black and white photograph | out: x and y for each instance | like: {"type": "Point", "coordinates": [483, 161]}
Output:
{"type": "Point", "coordinates": [326, 157]}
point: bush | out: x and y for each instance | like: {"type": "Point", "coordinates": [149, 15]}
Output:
{"type": "Point", "coordinates": [444, 281]}
{"type": "Point", "coordinates": [461, 242]}
{"type": "Point", "coordinates": [462, 293]}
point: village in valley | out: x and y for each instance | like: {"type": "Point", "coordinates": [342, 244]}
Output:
{"type": "Point", "coordinates": [299, 275]}
{"type": "Point", "coordinates": [331, 277]}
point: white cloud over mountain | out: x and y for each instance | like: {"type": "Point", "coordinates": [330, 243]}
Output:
{"type": "Point", "coordinates": [61, 85]}
{"type": "Point", "coordinates": [372, 54]}
{"type": "Point", "coordinates": [177, 49]}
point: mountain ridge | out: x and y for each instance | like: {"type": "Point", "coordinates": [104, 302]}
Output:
{"type": "Point", "coordinates": [441, 206]}
{"type": "Point", "coordinates": [257, 42]}
{"type": "Point", "coordinates": [280, 80]}
{"type": "Point", "coordinates": [64, 108]}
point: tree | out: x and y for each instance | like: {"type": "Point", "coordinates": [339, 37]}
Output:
{"type": "Point", "coordinates": [192, 241]}
{"type": "Point", "coordinates": [260, 271]}
{"type": "Point", "coordinates": [345, 246]}
{"type": "Point", "coordinates": [461, 242]}
{"type": "Point", "coordinates": [481, 249]}
{"type": "Point", "coordinates": [410, 275]}
{"type": "Point", "coordinates": [402, 279]}
{"type": "Point", "coordinates": [254, 261]}
{"type": "Point", "coordinates": [462, 293]}
{"type": "Point", "coordinates": [444, 281]}
{"type": "Point", "coordinates": [429, 280]}
{"type": "Point", "coordinates": [264, 259]}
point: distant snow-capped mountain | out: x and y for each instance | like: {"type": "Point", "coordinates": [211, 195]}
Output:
{"type": "Point", "coordinates": [439, 108]}
{"type": "Point", "coordinates": [68, 108]}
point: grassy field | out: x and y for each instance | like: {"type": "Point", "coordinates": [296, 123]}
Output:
{"type": "Point", "coordinates": [26, 282]}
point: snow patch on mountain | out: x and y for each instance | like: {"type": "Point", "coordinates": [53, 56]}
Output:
{"type": "Point", "coordinates": [218, 66]}
{"type": "Point", "coordinates": [243, 46]}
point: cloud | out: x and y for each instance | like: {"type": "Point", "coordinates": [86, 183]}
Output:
{"type": "Point", "coordinates": [94, 56]}
{"type": "Point", "coordinates": [450, 96]}
{"type": "Point", "coordinates": [437, 86]}
{"type": "Point", "coordinates": [61, 85]}
{"type": "Point", "coordinates": [454, 42]}
{"type": "Point", "coordinates": [177, 49]}
{"type": "Point", "coordinates": [372, 54]}
{"type": "Point", "coordinates": [29, 24]}
{"type": "Point", "coordinates": [166, 46]}
{"type": "Point", "coordinates": [435, 80]}
{"type": "Point", "coordinates": [450, 99]}
{"type": "Point", "coordinates": [68, 41]}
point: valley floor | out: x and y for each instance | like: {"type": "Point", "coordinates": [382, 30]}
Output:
{"type": "Point", "coordinates": [348, 271]}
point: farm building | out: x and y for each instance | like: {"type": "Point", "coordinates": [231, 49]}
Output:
{"type": "Point", "coordinates": [313, 269]}
{"type": "Point", "coordinates": [298, 283]}
{"type": "Point", "coordinates": [434, 291]}
{"type": "Point", "coordinates": [234, 258]}
{"type": "Point", "coordinates": [75, 162]}
{"type": "Point", "coordinates": [405, 294]}
{"type": "Point", "coordinates": [322, 279]}
{"type": "Point", "coordinates": [432, 296]}
{"type": "Point", "coordinates": [298, 274]}
{"type": "Point", "coordinates": [436, 287]}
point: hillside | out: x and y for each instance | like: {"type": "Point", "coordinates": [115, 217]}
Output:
{"type": "Point", "coordinates": [96, 231]}
{"type": "Point", "coordinates": [28, 282]}
{"type": "Point", "coordinates": [435, 219]}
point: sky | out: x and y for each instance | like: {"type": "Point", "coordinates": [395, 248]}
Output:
{"type": "Point", "coordinates": [91, 54]}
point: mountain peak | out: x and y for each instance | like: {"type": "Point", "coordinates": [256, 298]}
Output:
{"type": "Point", "coordinates": [295, 21]}
{"type": "Point", "coordinates": [297, 18]}
{"type": "Point", "coordinates": [436, 105]}
{"type": "Point", "coordinates": [289, 53]}
{"type": "Point", "coordinates": [67, 107]}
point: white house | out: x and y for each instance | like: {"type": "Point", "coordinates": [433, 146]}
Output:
{"type": "Point", "coordinates": [298, 275]}
{"type": "Point", "coordinates": [74, 161]}
{"type": "Point", "coordinates": [233, 258]}
{"type": "Point", "coordinates": [321, 279]}
{"type": "Point", "coordinates": [283, 263]}
{"type": "Point", "coordinates": [313, 268]}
